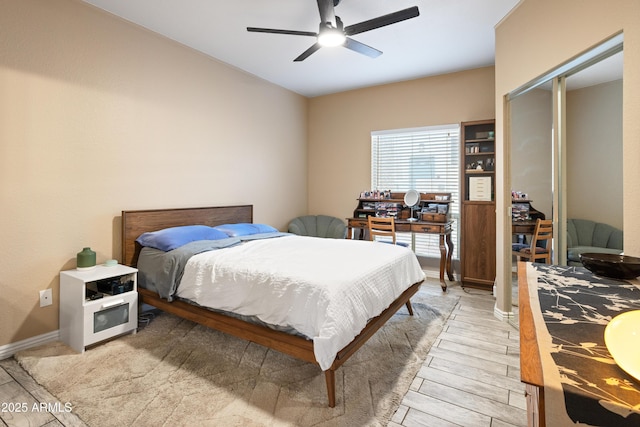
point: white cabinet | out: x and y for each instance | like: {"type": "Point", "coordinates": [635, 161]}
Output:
{"type": "Point", "coordinates": [97, 304]}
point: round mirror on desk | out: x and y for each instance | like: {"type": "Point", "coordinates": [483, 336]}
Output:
{"type": "Point", "coordinates": [412, 199]}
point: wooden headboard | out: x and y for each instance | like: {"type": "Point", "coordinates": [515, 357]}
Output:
{"type": "Point", "coordinates": [134, 223]}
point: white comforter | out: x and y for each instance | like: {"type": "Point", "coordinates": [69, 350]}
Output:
{"type": "Point", "coordinates": [327, 289]}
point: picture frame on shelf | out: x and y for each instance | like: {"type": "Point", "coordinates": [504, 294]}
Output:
{"type": "Point", "coordinates": [480, 188]}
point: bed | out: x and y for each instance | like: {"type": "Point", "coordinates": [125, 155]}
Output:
{"type": "Point", "coordinates": [137, 222]}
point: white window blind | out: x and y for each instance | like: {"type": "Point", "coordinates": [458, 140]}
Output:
{"type": "Point", "coordinates": [425, 159]}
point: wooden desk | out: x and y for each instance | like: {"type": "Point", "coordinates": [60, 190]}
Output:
{"type": "Point", "coordinates": [569, 374]}
{"type": "Point", "coordinates": [523, 227]}
{"type": "Point", "coordinates": [443, 229]}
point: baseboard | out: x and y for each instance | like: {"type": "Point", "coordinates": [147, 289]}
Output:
{"type": "Point", "coordinates": [9, 350]}
{"type": "Point", "coordinates": [502, 315]}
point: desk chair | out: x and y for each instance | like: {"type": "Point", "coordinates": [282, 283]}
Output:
{"type": "Point", "coordinates": [383, 227]}
{"type": "Point", "coordinates": [543, 233]}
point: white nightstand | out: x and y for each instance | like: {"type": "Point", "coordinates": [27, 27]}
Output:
{"type": "Point", "coordinates": [97, 304]}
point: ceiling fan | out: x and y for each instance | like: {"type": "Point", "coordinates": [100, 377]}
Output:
{"type": "Point", "coordinates": [332, 32]}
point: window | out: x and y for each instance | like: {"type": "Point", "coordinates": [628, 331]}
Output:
{"type": "Point", "coordinates": [425, 159]}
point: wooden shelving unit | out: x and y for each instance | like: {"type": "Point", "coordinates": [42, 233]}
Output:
{"type": "Point", "coordinates": [478, 207]}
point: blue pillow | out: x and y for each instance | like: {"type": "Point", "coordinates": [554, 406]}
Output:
{"type": "Point", "coordinates": [170, 238]}
{"type": "Point", "coordinates": [244, 229]}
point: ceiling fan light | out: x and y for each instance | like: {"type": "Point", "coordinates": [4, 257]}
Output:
{"type": "Point", "coordinates": [331, 37]}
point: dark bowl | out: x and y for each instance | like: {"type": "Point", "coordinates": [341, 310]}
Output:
{"type": "Point", "coordinates": [612, 265]}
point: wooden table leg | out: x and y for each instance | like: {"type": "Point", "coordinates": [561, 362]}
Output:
{"type": "Point", "coordinates": [358, 233]}
{"type": "Point", "coordinates": [449, 255]}
{"type": "Point", "coordinates": [443, 261]}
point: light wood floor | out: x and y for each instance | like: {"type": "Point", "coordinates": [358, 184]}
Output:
{"type": "Point", "coordinates": [470, 377]}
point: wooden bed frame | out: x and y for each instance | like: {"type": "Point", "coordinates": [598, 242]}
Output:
{"type": "Point", "coordinates": [134, 223]}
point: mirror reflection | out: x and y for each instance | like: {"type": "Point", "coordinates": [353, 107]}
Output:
{"type": "Point", "coordinates": [590, 171]}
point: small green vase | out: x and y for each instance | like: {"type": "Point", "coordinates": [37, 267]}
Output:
{"type": "Point", "coordinates": [86, 259]}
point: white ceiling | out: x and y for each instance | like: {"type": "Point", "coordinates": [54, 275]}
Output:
{"type": "Point", "coordinates": [448, 36]}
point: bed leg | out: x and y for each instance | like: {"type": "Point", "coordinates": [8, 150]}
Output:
{"type": "Point", "coordinates": [408, 304]}
{"type": "Point", "coordinates": [330, 377]}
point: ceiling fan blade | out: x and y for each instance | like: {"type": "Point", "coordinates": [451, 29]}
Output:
{"type": "Point", "coordinates": [288, 32]}
{"type": "Point", "coordinates": [304, 55]}
{"type": "Point", "coordinates": [362, 48]}
{"type": "Point", "coordinates": [382, 21]}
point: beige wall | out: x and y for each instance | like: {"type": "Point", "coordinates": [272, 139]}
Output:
{"type": "Point", "coordinates": [594, 153]}
{"type": "Point", "coordinates": [340, 128]}
{"type": "Point", "coordinates": [99, 116]}
{"type": "Point", "coordinates": [538, 36]}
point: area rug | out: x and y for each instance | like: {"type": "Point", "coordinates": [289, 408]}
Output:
{"type": "Point", "coordinates": [175, 372]}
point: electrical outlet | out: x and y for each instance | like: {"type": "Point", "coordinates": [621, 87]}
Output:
{"type": "Point", "coordinates": [46, 298]}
